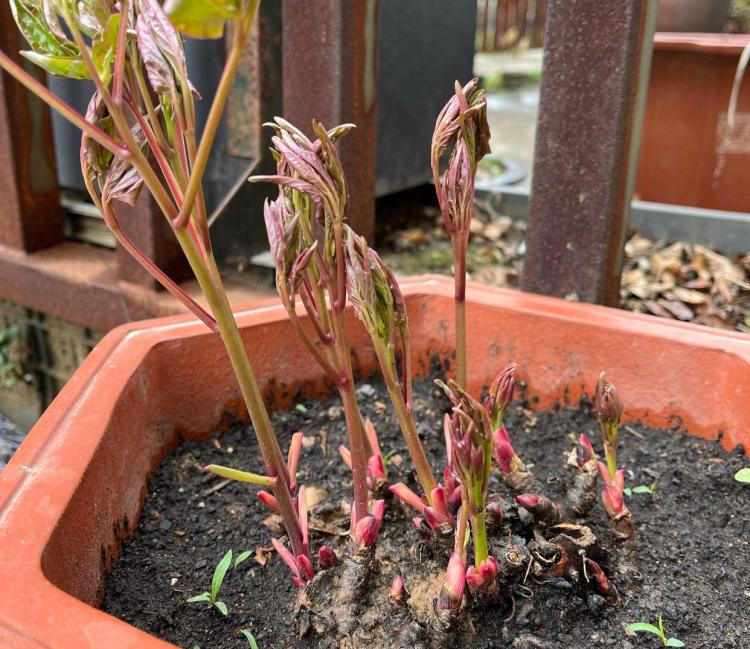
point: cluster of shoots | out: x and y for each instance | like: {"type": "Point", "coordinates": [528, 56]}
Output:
{"type": "Point", "coordinates": [140, 132]}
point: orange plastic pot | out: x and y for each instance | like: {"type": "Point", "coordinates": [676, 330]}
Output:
{"type": "Point", "coordinates": [77, 483]}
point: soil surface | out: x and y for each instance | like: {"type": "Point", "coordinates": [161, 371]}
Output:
{"type": "Point", "coordinates": [693, 539]}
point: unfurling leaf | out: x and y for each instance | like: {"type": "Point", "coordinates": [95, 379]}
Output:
{"type": "Point", "coordinates": [201, 18]}
{"type": "Point", "coordinates": [221, 607]}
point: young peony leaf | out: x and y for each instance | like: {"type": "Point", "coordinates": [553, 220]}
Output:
{"type": "Point", "coordinates": [201, 18]}
{"type": "Point", "coordinates": [159, 72]}
{"type": "Point", "coordinates": [166, 37]}
{"type": "Point", "coordinates": [103, 49]}
{"type": "Point", "coordinates": [92, 16]}
{"type": "Point", "coordinates": [743, 475]}
{"type": "Point", "coordinates": [219, 574]}
{"type": "Point", "coordinates": [222, 607]}
{"type": "Point", "coordinates": [42, 39]}
{"type": "Point", "coordinates": [60, 66]}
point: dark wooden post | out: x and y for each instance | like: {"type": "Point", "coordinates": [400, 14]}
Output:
{"type": "Point", "coordinates": [330, 56]}
{"type": "Point", "coordinates": [596, 56]}
{"type": "Point", "coordinates": [30, 217]}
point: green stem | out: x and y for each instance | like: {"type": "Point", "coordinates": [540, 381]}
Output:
{"type": "Point", "coordinates": [479, 536]}
{"type": "Point", "coordinates": [459, 280]}
{"type": "Point", "coordinates": [54, 102]}
{"type": "Point", "coordinates": [354, 425]}
{"type": "Point", "coordinates": [217, 109]}
{"type": "Point", "coordinates": [269, 447]}
{"type": "Point", "coordinates": [406, 421]}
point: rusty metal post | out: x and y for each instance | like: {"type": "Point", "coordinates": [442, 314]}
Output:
{"type": "Point", "coordinates": [330, 55]}
{"type": "Point", "coordinates": [31, 217]}
{"type": "Point", "coordinates": [594, 81]}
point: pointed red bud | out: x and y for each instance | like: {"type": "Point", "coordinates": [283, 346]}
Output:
{"type": "Point", "coordinates": [494, 514]}
{"type": "Point", "coordinates": [295, 448]}
{"type": "Point", "coordinates": [326, 557]}
{"type": "Point", "coordinates": [503, 450]}
{"type": "Point", "coordinates": [345, 455]}
{"type": "Point", "coordinates": [375, 467]}
{"type": "Point", "coordinates": [486, 573]}
{"type": "Point", "coordinates": [453, 585]}
{"type": "Point", "coordinates": [440, 501]}
{"type": "Point", "coordinates": [602, 583]}
{"type": "Point", "coordinates": [584, 451]}
{"type": "Point", "coordinates": [527, 500]}
{"type": "Point", "coordinates": [269, 501]}
{"type": "Point", "coordinates": [607, 402]}
{"type": "Point", "coordinates": [305, 567]}
{"type": "Point", "coordinates": [398, 591]}
{"type": "Point", "coordinates": [501, 392]}
{"type": "Point", "coordinates": [402, 492]}
{"type": "Point", "coordinates": [368, 527]}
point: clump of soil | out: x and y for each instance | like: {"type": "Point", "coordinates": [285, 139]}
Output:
{"type": "Point", "coordinates": [693, 540]}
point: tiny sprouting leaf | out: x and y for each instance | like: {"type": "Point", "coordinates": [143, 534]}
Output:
{"type": "Point", "coordinates": [221, 607]}
{"type": "Point", "coordinates": [201, 18]}
{"type": "Point", "coordinates": [627, 491]}
{"type": "Point", "coordinates": [250, 638]}
{"type": "Point", "coordinates": [241, 557]}
{"type": "Point", "coordinates": [645, 627]}
{"type": "Point", "coordinates": [220, 573]}
{"type": "Point", "coordinates": [743, 475]}
{"type": "Point", "coordinates": [203, 597]}
{"type": "Point", "coordinates": [674, 642]}
{"type": "Point", "coordinates": [300, 407]}
{"type": "Point", "coordinates": [645, 489]}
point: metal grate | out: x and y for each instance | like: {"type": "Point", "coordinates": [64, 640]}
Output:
{"type": "Point", "coordinates": [48, 348]}
{"type": "Point", "coordinates": [504, 24]}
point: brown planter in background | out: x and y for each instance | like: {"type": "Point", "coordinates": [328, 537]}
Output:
{"type": "Point", "coordinates": [78, 481]}
{"type": "Point", "coordinates": [684, 124]}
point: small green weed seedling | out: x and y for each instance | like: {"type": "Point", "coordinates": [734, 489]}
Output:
{"type": "Point", "coordinates": [242, 557]}
{"type": "Point", "coordinates": [657, 631]}
{"type": "Point", "coordinates": [212, 598]}
{"type": "Point", "coordinates": [641, 489]}
{"type": "Point", "coordinates": [250, 638]}
{"type": "Point", "coordinates": [743, 475]}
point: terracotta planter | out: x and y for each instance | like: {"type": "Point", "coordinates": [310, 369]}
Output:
{"type": "Point", "coordinates": [684, 127]}
{"type": "Point", "coordinates": [78, 480]}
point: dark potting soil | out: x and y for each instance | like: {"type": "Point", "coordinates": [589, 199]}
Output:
{"type": "Point", "coordinates": [693, 538]}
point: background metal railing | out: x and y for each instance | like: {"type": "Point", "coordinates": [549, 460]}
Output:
{"type": "Point", "coordinates": [504, 24]}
